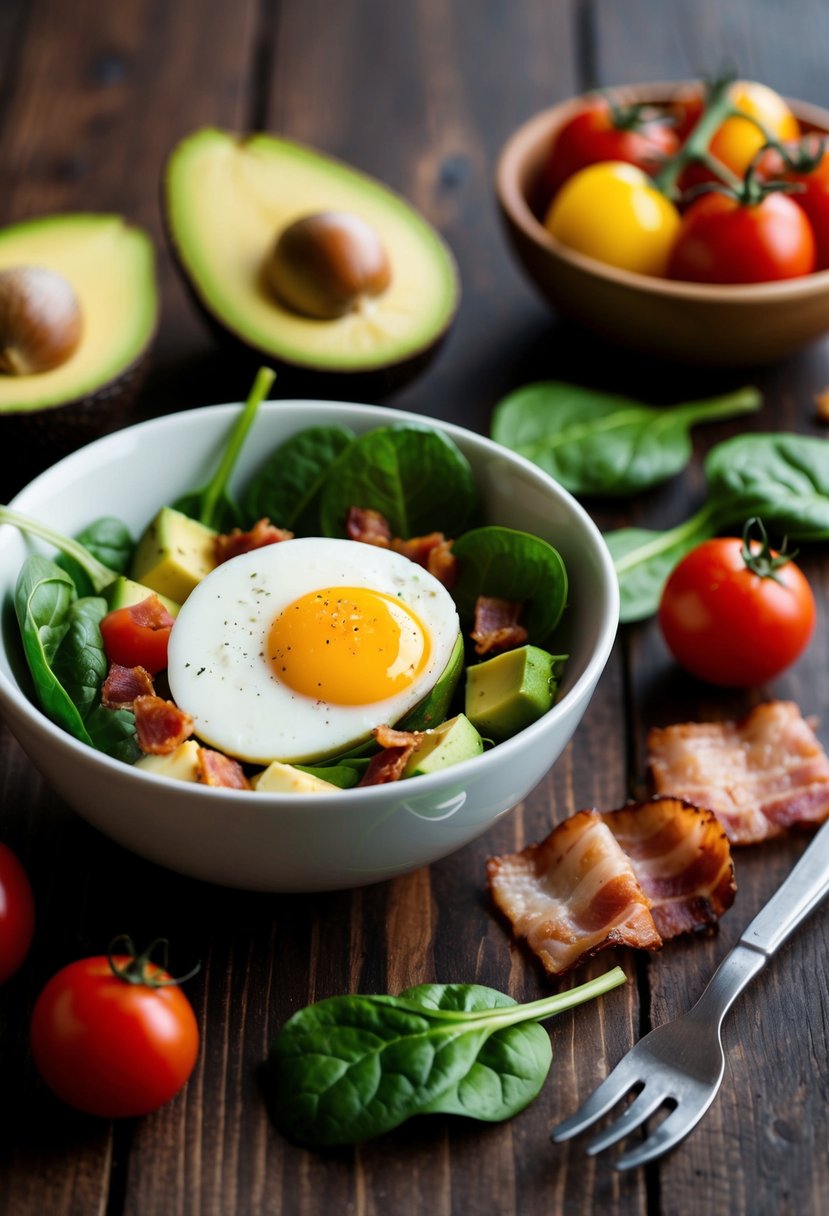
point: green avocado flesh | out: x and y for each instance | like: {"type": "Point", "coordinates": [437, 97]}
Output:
{"type": "Point", "coordinates": [227, 198]}
{"type": "Point", "coordinates": [111, 266]}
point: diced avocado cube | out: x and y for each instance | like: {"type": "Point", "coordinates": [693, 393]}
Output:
{"type": "Point", "coordinates": [280, 778]}
{"type": "Point", "coordinates": [125, 592]}
{"type": "Point", "coordinates": [452, 741]}
{"type": "Point", "coordinates": [174, 554]}
{"type": "Point", "coordinates": [181, 764]}
{"type": "Point", "coordinates": [510, 691]}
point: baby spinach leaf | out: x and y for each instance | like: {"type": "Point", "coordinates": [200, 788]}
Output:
{"type": "Point", "coordinates": [110, 542]}
{"type": "Point", "coordinates": [514, 566]}
{"type": "Point", "coordinates": [43, 599]}
{"type": "Point", "coordinates": [113, 731]}
{"type": "Point", "coordinates": [783, 478]}
{"type": "Point", "coordinates": [600, 443]}
{"type": "Point", "coordinates": [212, 504]}
{"type": "Point", "coordinates": [415, 476]}
{"type": "Point", "coordinates": [80, 663]}
{"type": "Point", "coordinates": [287, 488]}
{"type": "Point", "coordinates": [352, 1067]}
{"type": "Point", "coordinates": [96, 575]}
{"type": "Point", "coordinates": [342, 772]}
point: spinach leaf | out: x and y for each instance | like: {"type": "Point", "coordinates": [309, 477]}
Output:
{"type": "Point", "coordinates": [65, 654]}
{"type": "Point", "coordinates": [342, 772]}
{"type": "Point", "coordinates": [514, 566]}
{"type": "Point", "coordinates": [43, 599]}
{"type": "Point", "coordinates": [783, 478]}
{"type": "Point", "coordinates": [600, 443]}
{"type": "Point", "coordinates": [352, 1067]}
{"type": "Point", "coordinates": [96, 575]}
{"type": "Point", "coordinates": [109, 541]}
{"type": "Point", "coordinates": [212, 504]}
{"type": "Point", "coordinates": [288, 486]}
{"type": "Point", "coordinates": [413, 475]}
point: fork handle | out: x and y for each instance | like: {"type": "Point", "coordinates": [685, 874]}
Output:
{"type": "Point", "coordinates": [792, 902]}
{"type": "Point", "coordinates": [806, 886]}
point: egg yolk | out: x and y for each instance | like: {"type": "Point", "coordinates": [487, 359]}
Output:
{"type": "Point", "coordinates": [347, 646]}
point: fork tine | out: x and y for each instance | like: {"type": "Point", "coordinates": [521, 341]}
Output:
{"type": "Point", "coordinates": [645, 1103]}
{"type": "Point", "coordinates": [669, 1133]}
{"type": "Point", "coordinates": [614, 1087]}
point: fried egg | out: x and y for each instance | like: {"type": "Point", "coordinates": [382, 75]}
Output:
{"type": "Point", "coordinates": [295, 651]}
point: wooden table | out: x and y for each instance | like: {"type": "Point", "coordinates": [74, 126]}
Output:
{"type": "Point", "coordinates": [92, 97]}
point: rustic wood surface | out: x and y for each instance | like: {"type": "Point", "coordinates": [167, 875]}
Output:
{"type": "Point", "coordinates": [92, 97]}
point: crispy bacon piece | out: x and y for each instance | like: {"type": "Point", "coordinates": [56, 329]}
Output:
{"type": "Point", "coordinates": [263, 532]}
{"type": "Point", "coordinates": [496, 625]}
{"type": "Point", "coordinates": [123, 684]}
{"type": "Point", "coordinates": [433, 552]}
{"type": "Point", "coordinates": [215, 768]}
{"type": "Point", "coordinates": [633, 877]}
{"type": "Point", "coordinates": [368, 526]}
{"type": "Point", "coordinates": [760, 776]}
{"type": "Point", "coordinates": [150, 613]}
{"type": "Point", "coordinates": [388, 764]}
{"type": "Point", "coordinates": [160, 726]}
{"type": "Point", "coordinates": [681, 857]}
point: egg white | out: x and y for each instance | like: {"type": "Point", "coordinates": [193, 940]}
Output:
{"type": "Point", "coordinates": [218, 672]}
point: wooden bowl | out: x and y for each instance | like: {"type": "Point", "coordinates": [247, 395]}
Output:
{"type": "Point", "coordinates": [694, 323]}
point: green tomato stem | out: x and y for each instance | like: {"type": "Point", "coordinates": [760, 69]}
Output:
{"type": "Point", "coordinates": [718, 108]}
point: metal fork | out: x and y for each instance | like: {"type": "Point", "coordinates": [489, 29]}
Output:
{"type": "Point", "coordinates": [681, 1063]}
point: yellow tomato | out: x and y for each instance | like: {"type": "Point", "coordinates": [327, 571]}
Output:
{"type": "Point", "coordinates": [612, 212]}
{"type": "Point", "coordinates": [738, 140]}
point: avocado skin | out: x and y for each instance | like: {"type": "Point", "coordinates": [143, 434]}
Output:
{"type": "Point", "coordinates": [39, 437]}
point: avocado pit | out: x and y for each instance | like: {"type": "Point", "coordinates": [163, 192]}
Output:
{"type": "Point", "coordinates": [326, 264]}
{"type": "Point", "coordinates": [40, 320]}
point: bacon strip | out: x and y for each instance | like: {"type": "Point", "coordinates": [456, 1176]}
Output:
{"type": "Point", "coordinates": [760, 776]}
{"type": "Point", "coordinates": [496, 625]}
{"type": "Point", "coordinates": [634, 877]}
{"type": "Point", "coordinates": [215, 768]}
{"type": "Point", "coordinates": [123, 684]}
{"type": "Point", "coordinates": [433, 552]}
{"type": "Point", "coordinates": [388, 764]}
{"type": "Point", "coordinates": [263, 532]}
{"type": "Point", "coordinates": [160, 726]}
{"type": "Point", "coordinates": [150, 613]}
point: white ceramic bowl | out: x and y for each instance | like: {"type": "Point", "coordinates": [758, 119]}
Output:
{"type": "Point", "coordinates": [285, 842]}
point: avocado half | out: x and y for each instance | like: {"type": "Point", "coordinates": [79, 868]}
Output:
{"type": "Point", "coordinates": [111, 266]}
{"type": "Point", "coordinates": [226, 200]}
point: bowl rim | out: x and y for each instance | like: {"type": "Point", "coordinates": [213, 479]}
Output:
{"type": "Point", "coordinates": [514, 204]}
{"type": "Point", "coordinates": [373, 415]}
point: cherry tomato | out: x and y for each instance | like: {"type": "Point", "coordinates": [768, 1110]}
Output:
{"type": "Point", "coordinates": [600, 132]}
{"type": "Point", "coordinates": [738, 140]}
{"type": "Point", "coordinates": [17, 914]}
{"type": "Point", "coordinates": [725, 240]}
{"type": "Point", "coordinates": [613, 213]}
{"type": "Point", "coordinates": [806, 166]}
{"type": "Point", "coordinates": [736, 616]}
{"type": "Point", "coordinates": [109, 1039]}
{"type": "Point", "coordinates": [137, 636]}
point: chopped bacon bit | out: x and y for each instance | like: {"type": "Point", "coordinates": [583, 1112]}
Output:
{"type": "Point", "coordinates": [388, 764]}
{"type": "Point", "coordinates": [496, 625]}
{"type": "Point", "coordinates": [215, 768]}
{"type": "Point", "coordinates": [150, 613]}
{"type": "Point", "coordinates": [759, 776]}
{"type": "Point", "coordinates": [263, 532]}
{"type": "Point", "coordinates": [433, 552]}
{"type": "Point", "coordinates": [123, 684]}
{"type": "Point", "coordinates": [368, 526]}
{"type": "Point", "coordinates": [634, 877]}
{"type": "Point", "coordinates": [160, 726]}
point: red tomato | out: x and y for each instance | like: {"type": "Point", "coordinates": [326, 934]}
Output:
{"type": "Point", "coordinates": [112, 1046]}
{"type": "Point", "coordinates": [17, 914]}
{"type": "Point", "coordinates": [808, 169]}
{"type": "Point", "coordinates": [601, 132]}
{"type": "Point", "coordinates": [137, 636]}
{"type": "Point", "coordinates": [727, 622]}
{"type": "Point", "coordinates": [724, 240]}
